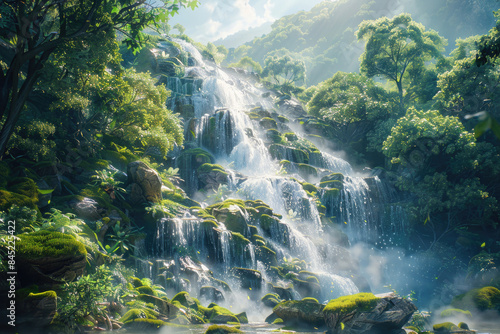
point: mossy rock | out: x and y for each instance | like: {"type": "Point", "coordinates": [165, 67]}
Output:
{"type": "Point", "coordinates": [274, 136]}
{"type": "Point", "coordinates": [454, 312]}
{"type": "Point", "coordinates": [208, 168]}
{"type": "Point", "coordinates": [38, 309]}
{"type": "Point", "coordinates": [270, 300]}
{"type": "Point", "coordinates": [333, 184]}
{"type": "Point", "coordinates": [222, 284]}
{"type": "Point", "coordinates": [249, 278]}
{"type": "Point", "coordinates": [24, 186]}
{"type": "Point", "coordinates": [445, 327]}
{"type": "Point", "coordinates": [267, 222]}
{"type": "Point", "coordinates": [283, 119]}
{"type": "Point", "coordinates": [306, 312]}
{"type": "Point", "coordinates": [220, 315]}
{"type": "Point", "coordinates": [292, 154]}
{"type": "Point", "coordinates": [234, 217]}
{"type": "Point", "coordinates": [7, 199]}
{"type": "Point", "coordinates": [268, 123]}
{"type": "Point", "coordinates": [332, 177]}
{"type": "Point", "coordinates": [163, 305]}
{"type": "Point", "coordinates": [135, 313]}
{"type": "Point", "coordinates": [218, 329]}
{"type": "Point", "coordinates": [186, 300]}
{"type": "Point", "coordinates": [146, 290]}
{"type": "Point", "coordinates": [309, 187]}
{"type": "Point", "coordinates": [463, 325]}
{"type": "Point", "coordinates": [45, 256]}
{"type": "Point", "coordinates": [242, 317]}
{"type": "Point", "coordinates": [266, 255]}
{"type": "Point", "coordinates": [364, 302]}
{"type": "Point", "coordinates": [486, 298]}
{"type": "Point", "coordinates": [307, 171]}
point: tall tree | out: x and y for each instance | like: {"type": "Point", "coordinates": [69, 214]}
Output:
{"type": "Point", "coordinates": [394, 46]}
{"type": "Point", "coordinates": [30, 31]}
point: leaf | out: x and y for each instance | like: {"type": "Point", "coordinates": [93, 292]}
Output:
{"type": "Point", "coordinates": [342, 326]}
{"type": "Point", "coordinates": [482, 127]}
{"type": "Point", "coordinates": [112, 125]}
{"type": "Point", "coordinates": [483, 245]}
{"type": "Point", "coordinates": [115, 9]}
{"type": "Point", "coordinates": [45, 191]}
{"type": "Point", "coordinates": [426, 219]}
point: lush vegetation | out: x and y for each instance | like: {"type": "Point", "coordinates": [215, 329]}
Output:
{"type": "Point", "coordinates": [95, 167]}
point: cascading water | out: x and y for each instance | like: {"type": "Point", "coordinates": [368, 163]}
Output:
{"type": "Point", "coordinates": [221, 126]}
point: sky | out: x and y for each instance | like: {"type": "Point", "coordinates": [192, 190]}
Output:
{"type": "Point", "coordinates": [214, 19]}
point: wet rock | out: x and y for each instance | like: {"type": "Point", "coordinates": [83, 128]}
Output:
{"type": "Point", "coordinates": [368, 314]}
{"type": "Point", "coordinates": [306, 312]}
{"type": "Point", "coordinates": [249, 278]}
{"type": "Point", "coordinates": [211, 294]}
{"type": "Point", "coordinates": [145, 183]}
{"type": "Point", "coordinates": [291, 107]}
{"type": "Point", "coordinates": [38, 309]}
{"type": "Point", "coordinates": [87, 208]}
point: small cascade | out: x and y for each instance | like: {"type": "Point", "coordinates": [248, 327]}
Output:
{"type": "Point", "coordinates": [328, 161]}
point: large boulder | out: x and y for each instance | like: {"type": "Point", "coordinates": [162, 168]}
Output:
{"type": "Point", "coordinates": [305, 312]}
{"type": "Point", "coordinates": [145, 183]}
{"type": "Point", "coordinates": [49, 257]}
{"type": "Point", "coordinates": [38, 309]}
{"type": "Point", "coordinates": [365, 313]}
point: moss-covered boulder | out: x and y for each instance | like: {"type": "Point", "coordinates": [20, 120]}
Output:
{"type": "Point", "coordinates": [248, 278]}
{"type": "Point", "coordinates": [292, 154]}
{"type": "Point", "coordinates": [211, 294]}
{"type": "Point", "coordinates": [367, 313]}
{"type": "Point", "coordinates": [49, 257]}
{"type": "Point", "coordinates": [211, 176]}
{"type": "Point", "coordinates": [184, 299]}
{"type": "Point", "coordinates": [274, 136]}
{"type": "Point", "coordinates": [266, 255]}
{"type": "Point", "coordinates": [37, 309]}
{"type": "Point", "coordinates": [303, 313]}
{"type": "Point", "coordinates": [270, 300]}
{"type": "Point", "coordinates": [445, 327]}
{"type": "Point", "coordinates": [190, 160]}
{"type": "Point", "coordinates": [268, 123]}
{"type": "Point", "coordinates": [219, 329]}
{"type": "Point", "coordinates": [487, 298]}
{"type": "Point", "coordinates": [163, 306]}
{"type": "Point", "coordinates": [145, 183]}
{"type": "Point", "coordinates": [233, 214]}
{"type": "Point", "coordinates": [220, 315]}
{"type": "Point", "coordinates": [8, 198]}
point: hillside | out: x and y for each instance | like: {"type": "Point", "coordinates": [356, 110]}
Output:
{"type": "Point", "coordinates": [324, 37]}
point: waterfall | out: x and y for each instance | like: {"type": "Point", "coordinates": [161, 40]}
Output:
{"type": "Point", "coordinates": [365, 207]}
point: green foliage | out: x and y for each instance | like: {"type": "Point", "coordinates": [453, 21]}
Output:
{"type": "Point", "coordinates": [35, 139]}
{"type": "Point", "coordinates": [105, 179]}
{"type": "Point", "coordinates": [486, 298]}
{"type": "Point", "coordinates": [248, 64]}
{"type": "Point", "coordinates": [25, 218]}
{"type": "Point", "coordinates": [82, 298]}
{"type": "Point", "coordinates": [62, 222]}
{"type": "Point", "coordinates": [395, 47]}
{"type": "Point", "coordinates": [285, 72]}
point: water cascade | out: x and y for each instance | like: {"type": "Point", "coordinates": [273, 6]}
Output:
{"type": "Point", "coordinates": [233, 126]}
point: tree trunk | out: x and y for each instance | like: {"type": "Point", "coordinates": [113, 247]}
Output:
{"type": "Point", "coordinates": [401, 97]}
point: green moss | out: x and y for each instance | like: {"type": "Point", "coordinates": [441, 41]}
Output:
{"type": "Point", "coordinates": [146, 324]}
{"type": "Point", "coordinates": [136, 282]}
{"type": "Point", "coordinates": [146, 290]}
{"type": "Point", "coordinates": [220, 315]}
{"type": "Point", "coordinates": [242, 317]}
{"type": "Point", "coordinates": [290, 136]}
{"type": "Point", "coordinates": [219, 329]}
{"type": "Point", "coordinates": [208, 167]}
{"type": "Point", "coordinates": [453, 312]}
{"type": "Point", "coordinates": [24, 186]}
{"type": "Point", "coordinates": [332, 184]}
{"type": "Point", "coordinates": [239, 239]}
{"type": "Point", "coordinates": [309, 187]}
{"type": "Point", "coordinates": [483, 299]}
{"type": "Point", "coordinates": [186, 300]}
{"type": "Point", "coordinates": [48, 244]}
{"type": "Point", "coordinates": [134, 313]}
{"type": "Point", "coordinates": [268, 123]}
{"type": "Point", "coordinates": [445, 327]}
{"type": "Point", "coordinates": [307, 170]}
{"type": "Point", "coordinates": [22, 293]}
{"type": "Point", "coordinates": [42, 295]}
{"type": "Point", "coordinates": [346, 304]}
{"type": "Point", "coordinates": [332, 177]}
{"type": "Point", "coordinates": [7, 199]}
{"type": "Point", "coordinates": [277, 321]}
{"type": "Point", "coordinates": [270, 299]}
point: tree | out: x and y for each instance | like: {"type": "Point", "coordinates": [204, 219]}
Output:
{"type": "Point", "coordinates": [393, 47]}
{"type": "Point", "coordinates": [31, 31]}
{"type": "Point", "coordinates": [285, 72]}
{"type": "Point", "coordinates": [248, 64]}
{"type": "Point", "coordinates": [353, 103]}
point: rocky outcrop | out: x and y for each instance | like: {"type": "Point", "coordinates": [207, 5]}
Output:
{"type": "Point", "coordinates": [365, 313]}
{"type": "Point", "coordinates": [211, 294]}
{"type": "Point", "coordinates": [88, 209]}
{"type": "Point", "coordinates": [38, 309]}
{"type": "Point", "coordinates": [145, 183]}
{"type": "Point", "coordinates": [306, 312]}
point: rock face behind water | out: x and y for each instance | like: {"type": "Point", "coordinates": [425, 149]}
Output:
{"type": "Point", "coordinates": [388, 315]}
{"type": "Point", "coordinates": [145, 183]}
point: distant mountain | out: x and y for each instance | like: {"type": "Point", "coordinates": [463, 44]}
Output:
{"type": "Point", "coordinates": [324, 36]}
{"type": "Point", "coordinates": [244, 36]}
